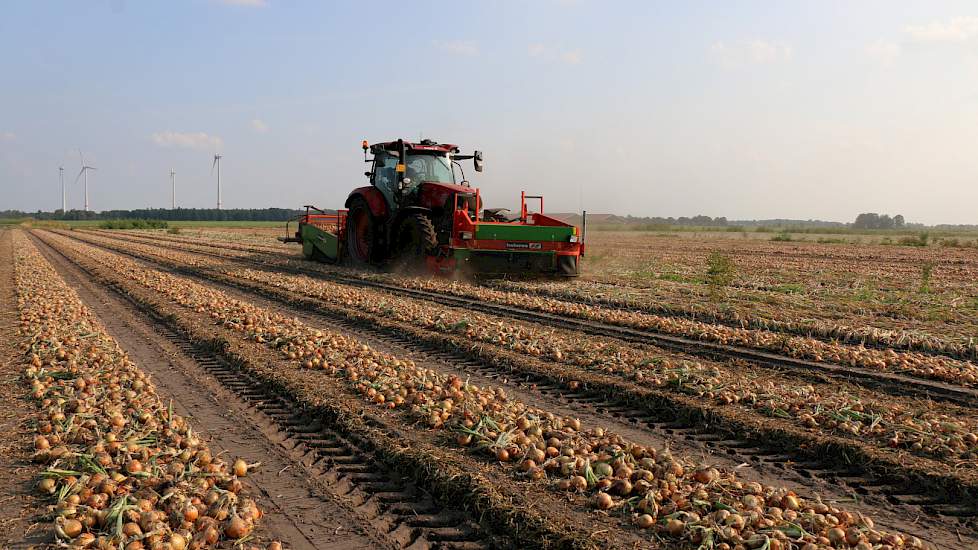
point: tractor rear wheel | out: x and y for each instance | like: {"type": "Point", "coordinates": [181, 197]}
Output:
{"type": "Point", "coordinates": [416, 239]}
{"type": "Point", "coordinates": [361, 234]}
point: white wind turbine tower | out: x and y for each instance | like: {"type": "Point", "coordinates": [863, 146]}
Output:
{"type": "Point", "coordinates": [64, 196]}
{"type": "Point", "coordinates": [217, 162]}
{"type": "Point", "coordinates": [84, 171]}
{"type": "Point", "coordinates": [173, 189]}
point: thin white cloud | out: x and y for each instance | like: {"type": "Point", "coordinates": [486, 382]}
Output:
{"type": "Point", "coordinates": [957, 29]}
{"type": "Point", "coordinates": [248, 3]}
{"type": "Point", "coordinates": [553, 55]}
{"type": "Point", "coordinates": [883, 51]}
{"type": "Point", "coordinates": [457, 47]}
{"type": "Point", "coordinates": [8, 136]}
{"type": "Point", "coordinates": [188, 140]}
{"type": "Point", "coordinates": [259, 126]}
{"type": "Point", "coordinates": [750, 52]}
{"type": "Point", "coordinates": [572, 57]}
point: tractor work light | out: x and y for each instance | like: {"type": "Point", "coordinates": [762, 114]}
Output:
{"type": "Point", "coordinates": [465, 235]}
{"type": "Point", "coordinates": [573, 238]}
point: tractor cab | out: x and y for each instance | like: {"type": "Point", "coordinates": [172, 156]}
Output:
{"type": "Point", "coordinates": [419, 167]}
{"type": "Point", "coordinates": [400, 170]}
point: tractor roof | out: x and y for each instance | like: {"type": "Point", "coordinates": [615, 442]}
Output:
{"type": "Point", "coordinates": [423, 145]}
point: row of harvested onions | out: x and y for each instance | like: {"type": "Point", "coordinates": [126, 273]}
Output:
{"type": "Point", "coordinates": [667, 301]}
{"type": "Point", "coordinates": [672, 496]}
{"type": "Point", "coordinates": [925, 429]}
{"type": "Point", "coordinates": [672, 299]}
{"type": "Point", "coordinates": [121, 469]}
{"type": "Point", "coordinates": [942, 432]}
{"type": "Point", "coordinates": [918, 364]}
{"type": "Point", "coordinates": [792, 315]}
{"type": "Point", "coordinates": [678, 299]}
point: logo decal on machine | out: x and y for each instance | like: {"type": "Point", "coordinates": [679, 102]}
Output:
{"type": "Point", "coordinates": [524, 246]}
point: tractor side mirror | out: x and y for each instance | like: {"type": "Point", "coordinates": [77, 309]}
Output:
{"type": "Point", "coordinates": [477, 161]}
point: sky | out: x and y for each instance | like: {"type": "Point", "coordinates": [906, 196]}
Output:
{"type": "Point", "coordinates": [744, 109]}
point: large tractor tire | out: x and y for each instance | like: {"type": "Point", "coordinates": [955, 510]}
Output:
{"type": "Point", "coordinates": [415, 240]}
{"type": "Point", "coordinates": [361, 234]}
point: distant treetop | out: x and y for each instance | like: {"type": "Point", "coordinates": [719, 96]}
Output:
{"type": "Point", "coordinates": [872, 220]}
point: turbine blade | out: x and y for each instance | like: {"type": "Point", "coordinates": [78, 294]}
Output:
{"type": "Point", "coordinates": [82, 157]}
{"type": "Point", "coordinates": [212, 164]}
{"type": "Point", "coordinates": [82, 171]}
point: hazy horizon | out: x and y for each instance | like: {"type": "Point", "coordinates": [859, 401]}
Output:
{"type": "Point", "coordinates": [748, 110]}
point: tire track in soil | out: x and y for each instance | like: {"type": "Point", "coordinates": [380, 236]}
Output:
{"type": "Point", "coordinates": [752, 463]}
{"type": "Point", "coordinates": [298, 511]}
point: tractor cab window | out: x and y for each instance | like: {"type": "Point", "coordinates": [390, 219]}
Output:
{"type": "Point", "coordinates": [418, 168]}
{"type": "Point", "coordinates": [437, 168]}
{"type": "Point", "coordinates": [385, 176]}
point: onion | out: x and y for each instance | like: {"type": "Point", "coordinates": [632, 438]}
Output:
{"type": "Point", "coordinates": [706, 475]}
{"type": "Point", "coordinates": [236, 528]}
{"type": "Point", "coordinates": [69, 528]}
{"type": "Point", "coordinates": [675, 527]}
{"type": "Point", "coordinates": [240, 468]}
{"type": "Point", "coordinates": [190, 513]}
{"type": "Point", "coordinates": [603, 501]}
{"type": "Point", "coordinates": [134, 466]}
{"type": "Point", "coordinates": [47, 485]}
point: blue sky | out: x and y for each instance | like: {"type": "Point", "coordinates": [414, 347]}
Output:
{"type": "Point", "coordinates": [742, 109]}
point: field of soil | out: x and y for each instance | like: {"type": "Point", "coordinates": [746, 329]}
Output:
{"type": "Point", "coordinates": [209, 388]}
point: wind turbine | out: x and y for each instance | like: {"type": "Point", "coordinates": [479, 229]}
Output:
{"type": "Point", "coordinates": [217, 162]}
{"type": "Point", "coordinates": [173, 189]}
{"type": "Point", "coordinates": [64, 196]}
{"type": "Point", "coordinates": [84, 171]}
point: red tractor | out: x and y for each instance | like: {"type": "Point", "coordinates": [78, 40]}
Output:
{"type": "Point", "coordinates": [419, 212]}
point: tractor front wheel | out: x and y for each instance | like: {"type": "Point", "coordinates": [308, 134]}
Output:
{"type": "Point", "coordinates": [416, 239]}
{"type": "Point", "coordinates": [361, 234]}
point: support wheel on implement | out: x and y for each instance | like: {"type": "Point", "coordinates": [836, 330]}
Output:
{"type": "Point", "coordinates": [361, 234]}
{"type": "Point", "coordinates": [415, 240]}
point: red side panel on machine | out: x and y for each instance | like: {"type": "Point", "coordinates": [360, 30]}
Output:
{"type": "Point", "coordinates": [436, 195]}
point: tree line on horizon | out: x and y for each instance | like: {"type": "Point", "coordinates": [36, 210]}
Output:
{"type": "Point", "coordinates": [866, 220]}
{"type": "Point", "coordinates": [166, 214]}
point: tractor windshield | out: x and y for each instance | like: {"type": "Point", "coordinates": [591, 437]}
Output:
{"type": "Point", "coordinates": [437, 168]}
{"type": "Point", "coordinates": [419, 168]}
